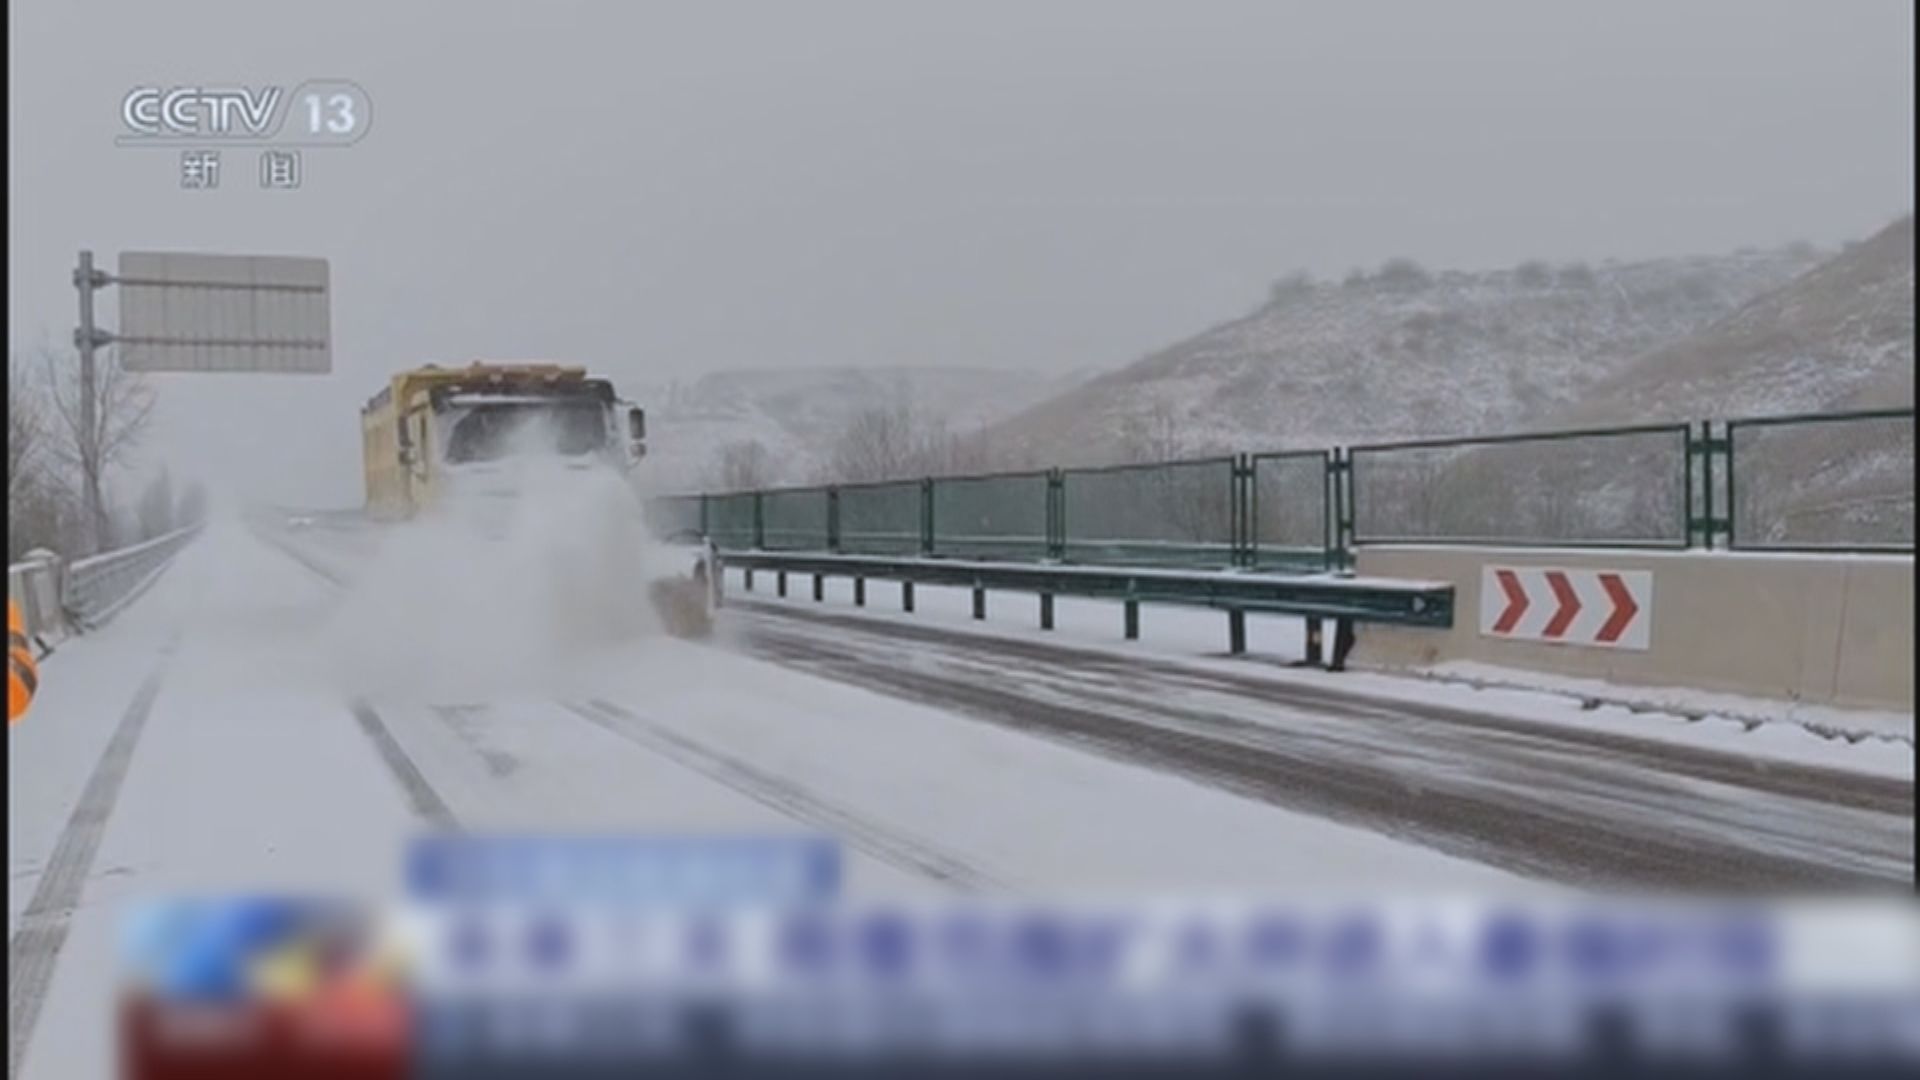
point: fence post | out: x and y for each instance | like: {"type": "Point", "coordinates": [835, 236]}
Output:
{"type": "Point", "coordinates": [1240, 516]}
{"type": "Point", "coordinates": [705, 529]}
{"type": "Point", "coordinates": [1056, 515]}
{"type": "Point", "coordinates": [833, 518]}
{"type": "Point", "coordinates": [1720, 516]}
{"type": "Point", "coordinates": [1711, 520]}
{"type": "Point", "coordinates": [1695, 523]}
{"type": "Point", "coordinates": [926, 522]}
{"type": "Point", "coordinates": [1732, 502]}
{"type": "Point", "coordinates": [1340, 494]}
{"type": "Point", "coordinates": [759, 524]}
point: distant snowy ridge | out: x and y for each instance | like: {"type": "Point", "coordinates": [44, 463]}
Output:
{"type": "Point", "coordinates": [797, 415]}
{"type": "Point", "coordinates": [1397, 355]}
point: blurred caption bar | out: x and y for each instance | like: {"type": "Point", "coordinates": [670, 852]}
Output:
{"type": "Point", "coordinates": [731, 957]}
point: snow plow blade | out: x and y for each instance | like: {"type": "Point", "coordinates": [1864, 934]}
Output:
{"type": "Point", "coordinates": [685, 602]}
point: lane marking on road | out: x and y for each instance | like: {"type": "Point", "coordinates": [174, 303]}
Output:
{"type": "Point", "coordinates": [34, 950]}
{"type": "Point", "coordinates": [421, 795]}
{"type": "Point", "coordinates": [286, 548]}
{"type": "Point", "coordinates": [890, 846]}
{"type": "Point", "coordinates": [426, 802]}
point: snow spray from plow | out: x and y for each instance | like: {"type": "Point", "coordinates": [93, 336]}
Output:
{"type": "Point", "coordinates": [500, 590]}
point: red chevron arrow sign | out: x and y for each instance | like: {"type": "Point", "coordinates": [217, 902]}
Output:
{"type": "Point", "coordinates": [1611, 609]}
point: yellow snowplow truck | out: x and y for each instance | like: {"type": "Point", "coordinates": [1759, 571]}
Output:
{"type": "Point", "coordinates": [445, 440]}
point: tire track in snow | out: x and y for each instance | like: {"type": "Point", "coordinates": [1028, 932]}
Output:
{"type": "Point", "coordinates": [420, 793]}
{"type": "Point", "coordinates": [34, 950]}
{"type": "Point", "coordinates": [426, 802]}
{"type": "Point", "coordinates": [1525, 822]}
{"type": "Point", "coordinates": [890, 846]}
{"type": "Point", "coordinates": [1861, 791]}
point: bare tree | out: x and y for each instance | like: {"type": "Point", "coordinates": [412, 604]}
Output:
{"type": "Point", "coordinates": [1577, 275]}
{"type": "Point", "coordinates": [26, 426]}
{"type": "Point", "coordinates": [1287, 289]}
{"type": "Point", "coordinates": [156, 508]}
{"type": "Point", "coordinates": [39, 515]}
{"type": "Point", "coordinates": [744, 465]}
{"type": "Point", "coordinates": [1155, 435]}
{"type": "Point", "coordinates": [1533, 274]}
{"type": "Point", "coordinates": [879, 443]}
{"type": "Point", "coordinates": [123, 406]}
{"type": "Point", "coordinates": [1404, 275]}
{"type": "Point", "coordinates": [193, 504]}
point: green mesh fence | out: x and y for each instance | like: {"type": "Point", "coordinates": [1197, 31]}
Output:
{"type": "Point", "coordinates": [1291, 528]}
{"type": "Point", "coordinates": [1619, 486]}
{"type": "Point", "coordinates": [794, 520]}
{"type": "Point", "coordinates": [730, 520]}
{"type": "Point", "coordinates": [991, 517]}
{"type": "Point", "coordinates": [1837, 481]}
{"type": "Point", "coordinates": [1173, 513]}
{"type": "Point", "coordinates": [673, 515]}
{"type": "Point", "coordinates": [881, 519]}
{"type": "Point", "coordinates": [1828, 482]}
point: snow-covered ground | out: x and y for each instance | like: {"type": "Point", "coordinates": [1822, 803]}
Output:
{"type": "Point", "coordinates": [229, 732]}
{"type": "Point", "coordinates": [241, 762]}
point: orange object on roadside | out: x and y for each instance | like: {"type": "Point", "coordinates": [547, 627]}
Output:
{"type": "Point", "coordinates": [23, 675]}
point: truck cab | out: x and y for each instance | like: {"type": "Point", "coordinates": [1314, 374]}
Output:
{"type": "Point", "coordinates": [439, 436]}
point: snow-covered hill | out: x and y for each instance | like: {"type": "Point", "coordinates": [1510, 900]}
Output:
{"type": "Point", "coordinates": [1400, 353]}
{"type": "Point", "coordinates": [796, 416]}
{"type": "Point", "coordinates": [1839, 337]}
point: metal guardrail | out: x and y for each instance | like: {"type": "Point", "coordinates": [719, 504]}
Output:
{"type": "Point", "coordinates": [1748, 484]}
{"type": "Point", "coordinates": [1342, 600]}
{"type": "Point", "coordinates": [98, 587]}
{"type": "Point", "coordinates": [33, 583]}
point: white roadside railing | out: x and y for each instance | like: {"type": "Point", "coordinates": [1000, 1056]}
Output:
{"type": "Point", "coordinates": [33, 584]}
{"type": "Point", "coordinates": [96, 588]}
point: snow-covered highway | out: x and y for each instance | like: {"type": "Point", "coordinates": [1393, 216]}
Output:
{"type": "Point", "coordinates": [227, 732]}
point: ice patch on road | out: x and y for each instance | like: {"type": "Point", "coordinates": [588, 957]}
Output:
{"type": "Point", "coordinates": [450, 609]}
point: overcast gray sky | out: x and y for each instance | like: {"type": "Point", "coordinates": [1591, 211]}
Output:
{"type": "Point", "coordinates": [669, 188]}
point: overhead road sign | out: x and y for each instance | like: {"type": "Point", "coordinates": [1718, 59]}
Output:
{"type": "Point", "coordinates": [181, 311]}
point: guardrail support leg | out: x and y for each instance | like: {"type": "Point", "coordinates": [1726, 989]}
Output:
{"type": "Point", "coordinates": [859, 592]}
{"type": "Point", "coordinates": [1314, 647]}
{"type": "Point", "coordinates": [1236, 631]}
{"type": "Point", "coordinates": [780, 583]}
{"type": "Point", "coordinates": [979, 602]}
{"type": "Point", "coordinates": [1046, 611]}
{"type": "Point", "coordinates": [906, 596]}
{"type": "Point", "coordinates": [819, 587]}
{"type": "Point", "coordinates": [1133, 620]}
{"type": "Point", "coordinates": [749, 574]}
{"type": "Point", "coordinates": [1342, 644]}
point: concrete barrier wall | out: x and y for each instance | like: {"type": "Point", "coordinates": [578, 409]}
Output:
{"type": "Point", "coordinates": [1826, 629]}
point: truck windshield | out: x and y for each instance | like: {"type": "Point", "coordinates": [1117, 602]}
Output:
{"type": "Point", "coordinates": [491, 432]}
